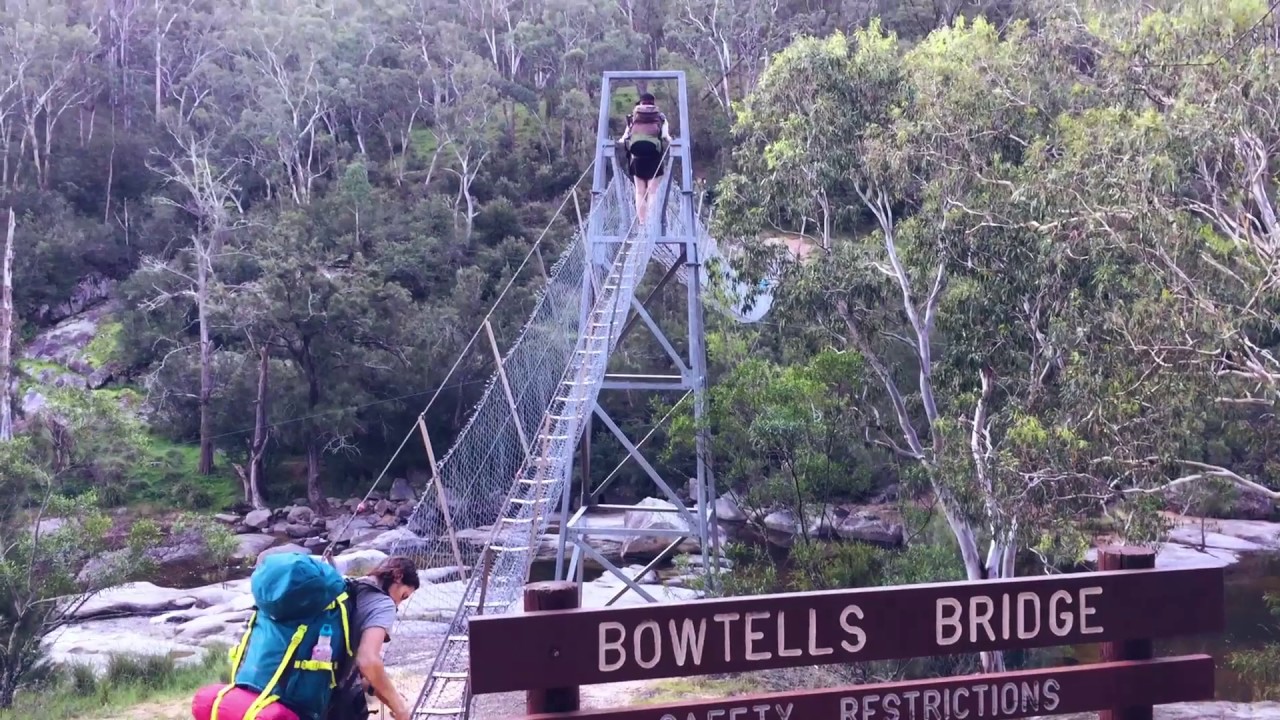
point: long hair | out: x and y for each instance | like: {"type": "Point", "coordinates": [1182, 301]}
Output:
{"type": "Point", "coordinates": [394, 570]}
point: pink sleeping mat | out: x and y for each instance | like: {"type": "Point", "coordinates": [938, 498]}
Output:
{"type": "Point", "coordinates": [234, 705]}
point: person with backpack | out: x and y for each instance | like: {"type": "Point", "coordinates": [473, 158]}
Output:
{"type": "Point", "coordinates": [313, 644]}
{"type": "Point", "coordinates": [389, 585]}
{"type": "Point", "coordinates": [646, 141]}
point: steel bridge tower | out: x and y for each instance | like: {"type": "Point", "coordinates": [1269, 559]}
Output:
{"type": "Point", "coordinates": [677, 255]}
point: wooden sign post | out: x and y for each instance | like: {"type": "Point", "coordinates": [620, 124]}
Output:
{"type": "Point", "coordinates": [1123, 608]}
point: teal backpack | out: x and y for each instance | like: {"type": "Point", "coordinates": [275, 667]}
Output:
{"type": "Point", "coordinates": [297, 598]}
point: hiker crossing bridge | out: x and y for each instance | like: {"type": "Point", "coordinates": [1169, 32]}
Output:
{"type": "Point", "coordinates": [481, 523]}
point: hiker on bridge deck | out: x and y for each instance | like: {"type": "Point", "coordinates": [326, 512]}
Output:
{"type": "Point", "coordinates": [646, 141]}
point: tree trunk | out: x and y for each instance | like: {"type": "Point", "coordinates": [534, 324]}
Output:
{"type": "Point", "coordinates": [159, 46]}
{"type": "Point", "coordinates": [206, 360]}
{"type": "Point", "coordinates": [315, 498]}
{"type": "Point", "coordinates": [8, 687]}
{"type": "Point", "coordinates": [6, 333]}
{"type": "Point", "coordinates": [259, 447]}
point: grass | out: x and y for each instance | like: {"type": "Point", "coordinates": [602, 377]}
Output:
{"type": "Point", "coordinates": [162, 475]}
{"type": "Point", "coordinates": [129, 681]}
{"type": "Point", "coordinates": [30, 370]}
{"type": "Point", "coordinates": [105, 345]}
{"type": "Point", "coordinates": [684, 689]}
{"type": "Point", "coordinates": [167, 475]}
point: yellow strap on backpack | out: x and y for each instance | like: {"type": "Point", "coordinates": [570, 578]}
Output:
{"type": "Point", "coordinates": [236, 653]}
{"type": "Point", "coordinates": [339, 603]}
{"type": "Point", "coordinates": [346, 623]}
{"type": "Point", "coordinates": [265, 698]}
{"type": "Point", "coordinates": [217, 700]}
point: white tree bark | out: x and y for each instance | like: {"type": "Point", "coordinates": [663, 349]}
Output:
{"type": "Point", "coordinates": [6, 332]}
{"type": "Point", "coordinates": [211, 194]}
{"type": "Point", "coordinates": [1002, 548]}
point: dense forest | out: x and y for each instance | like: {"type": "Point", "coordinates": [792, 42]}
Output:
{"type": "Point", "coordinates": [1038, 286]}
{"type": "Point", "coordinates": [198, 164]}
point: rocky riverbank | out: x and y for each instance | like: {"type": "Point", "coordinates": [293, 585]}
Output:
{"type": "Point", "coordinates": [184, 622]}
{"type": "Point", "coordinates": [381, 523]}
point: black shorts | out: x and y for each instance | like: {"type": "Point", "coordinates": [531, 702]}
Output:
{"type": "Point", "coordinates": [645, 162]}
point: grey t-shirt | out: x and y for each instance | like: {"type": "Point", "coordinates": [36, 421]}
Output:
{"type": "Point", "coordinates": [373, 609]}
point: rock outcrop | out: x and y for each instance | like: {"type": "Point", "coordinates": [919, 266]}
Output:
{"type": "Point", "coordinates": [185, 624]}
{"type": "Point", "coordinates": [1196, 542]}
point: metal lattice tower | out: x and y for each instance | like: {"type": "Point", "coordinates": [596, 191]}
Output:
{"type": "Point", "coordinates": [677, 250]}
{"type": "Point", "coordinates": [510, 470]}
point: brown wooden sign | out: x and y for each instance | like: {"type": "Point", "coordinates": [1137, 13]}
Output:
{"type": "Point", "coordinates": [1052, 691]}
{"type": "Point", "coordinates": [583, 647]}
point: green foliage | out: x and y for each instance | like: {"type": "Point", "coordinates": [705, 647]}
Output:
{"type": "Point", "coordinates": [817, 566]}
{"type": "Point", "coordinates": [1049, 330]}
{"type": "Point", "coordinates": [166, 476]}
{"type": "Point", "coordinates": [782, 432]}
{"type": "Point", "coordinates": [105, 345]}
{"type": "Point", "coordinates": [1261, 667]}
{"type": "Point", "coordinates": [86, 441]}
{"type": "Point", "coordinates": [831, 566]}
{"type": "Point", "coordinates": [49, 539]}
{"type": "Point", "coordinates": [217, 540]}
{"type": "Point", "coordinates": [81, 691]}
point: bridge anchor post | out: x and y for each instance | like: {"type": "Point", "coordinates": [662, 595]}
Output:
{"type": "Point", "coordinates": [540, 597]}
{"type": "Point", "coordinates": [1126, 558]}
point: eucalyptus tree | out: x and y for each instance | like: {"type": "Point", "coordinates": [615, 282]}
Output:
{"type": "Point", "coordinates": [987, 332]}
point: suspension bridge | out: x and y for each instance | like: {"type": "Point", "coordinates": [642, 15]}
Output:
{"type": "Point", "coordinates": [494, 494]}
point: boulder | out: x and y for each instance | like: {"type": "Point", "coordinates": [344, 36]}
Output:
{"type": "Point", "coordinates": [602, 590]}
{"type": "Point", "coordinates": [830, 522]}
{"type": "Point", "coordinates": [358, 562]}
{"type": "Point", "coordinates": [66, 346]}
{"type": "Point", "coordinates": [140, 598]}
{"type": "Point", "coordinates": [259, 519]}
{"type": "Point", "coordinates": [347, 528]}
{"type": "Point", "coordinates": [783, 522]}
{"type": "Point", "coordinates": [49, 525]}
{"type": "Point", "coordinates": [94, 643]}
{"type": "Point", "coordinates": [227, 518]}
{"type": "Point", "coordinates": [401, 541]}
{"type": "Point", "coordinates": [699, 560]}
{"type": "Point", "coordinates": [282, 549]}
{"type": "Point", "coordinates": [728, 510]}
{"type": "Point", "coordinates": [298, 532]}
{"type": "Point", "coordinates": [652, 514]}
{"type": "Point", "coordinates": [144, 598]}
{"type": "Point", "coordinates": [183, 554]}
{"type": "Point", "coordinates": [401, 491]}
{"type": "Point", "coordinates": [1237, 504]}
{"type": "Point", "coordinates": [228, 623]}
{"type": "Point", "coordinates": [870, 528]}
